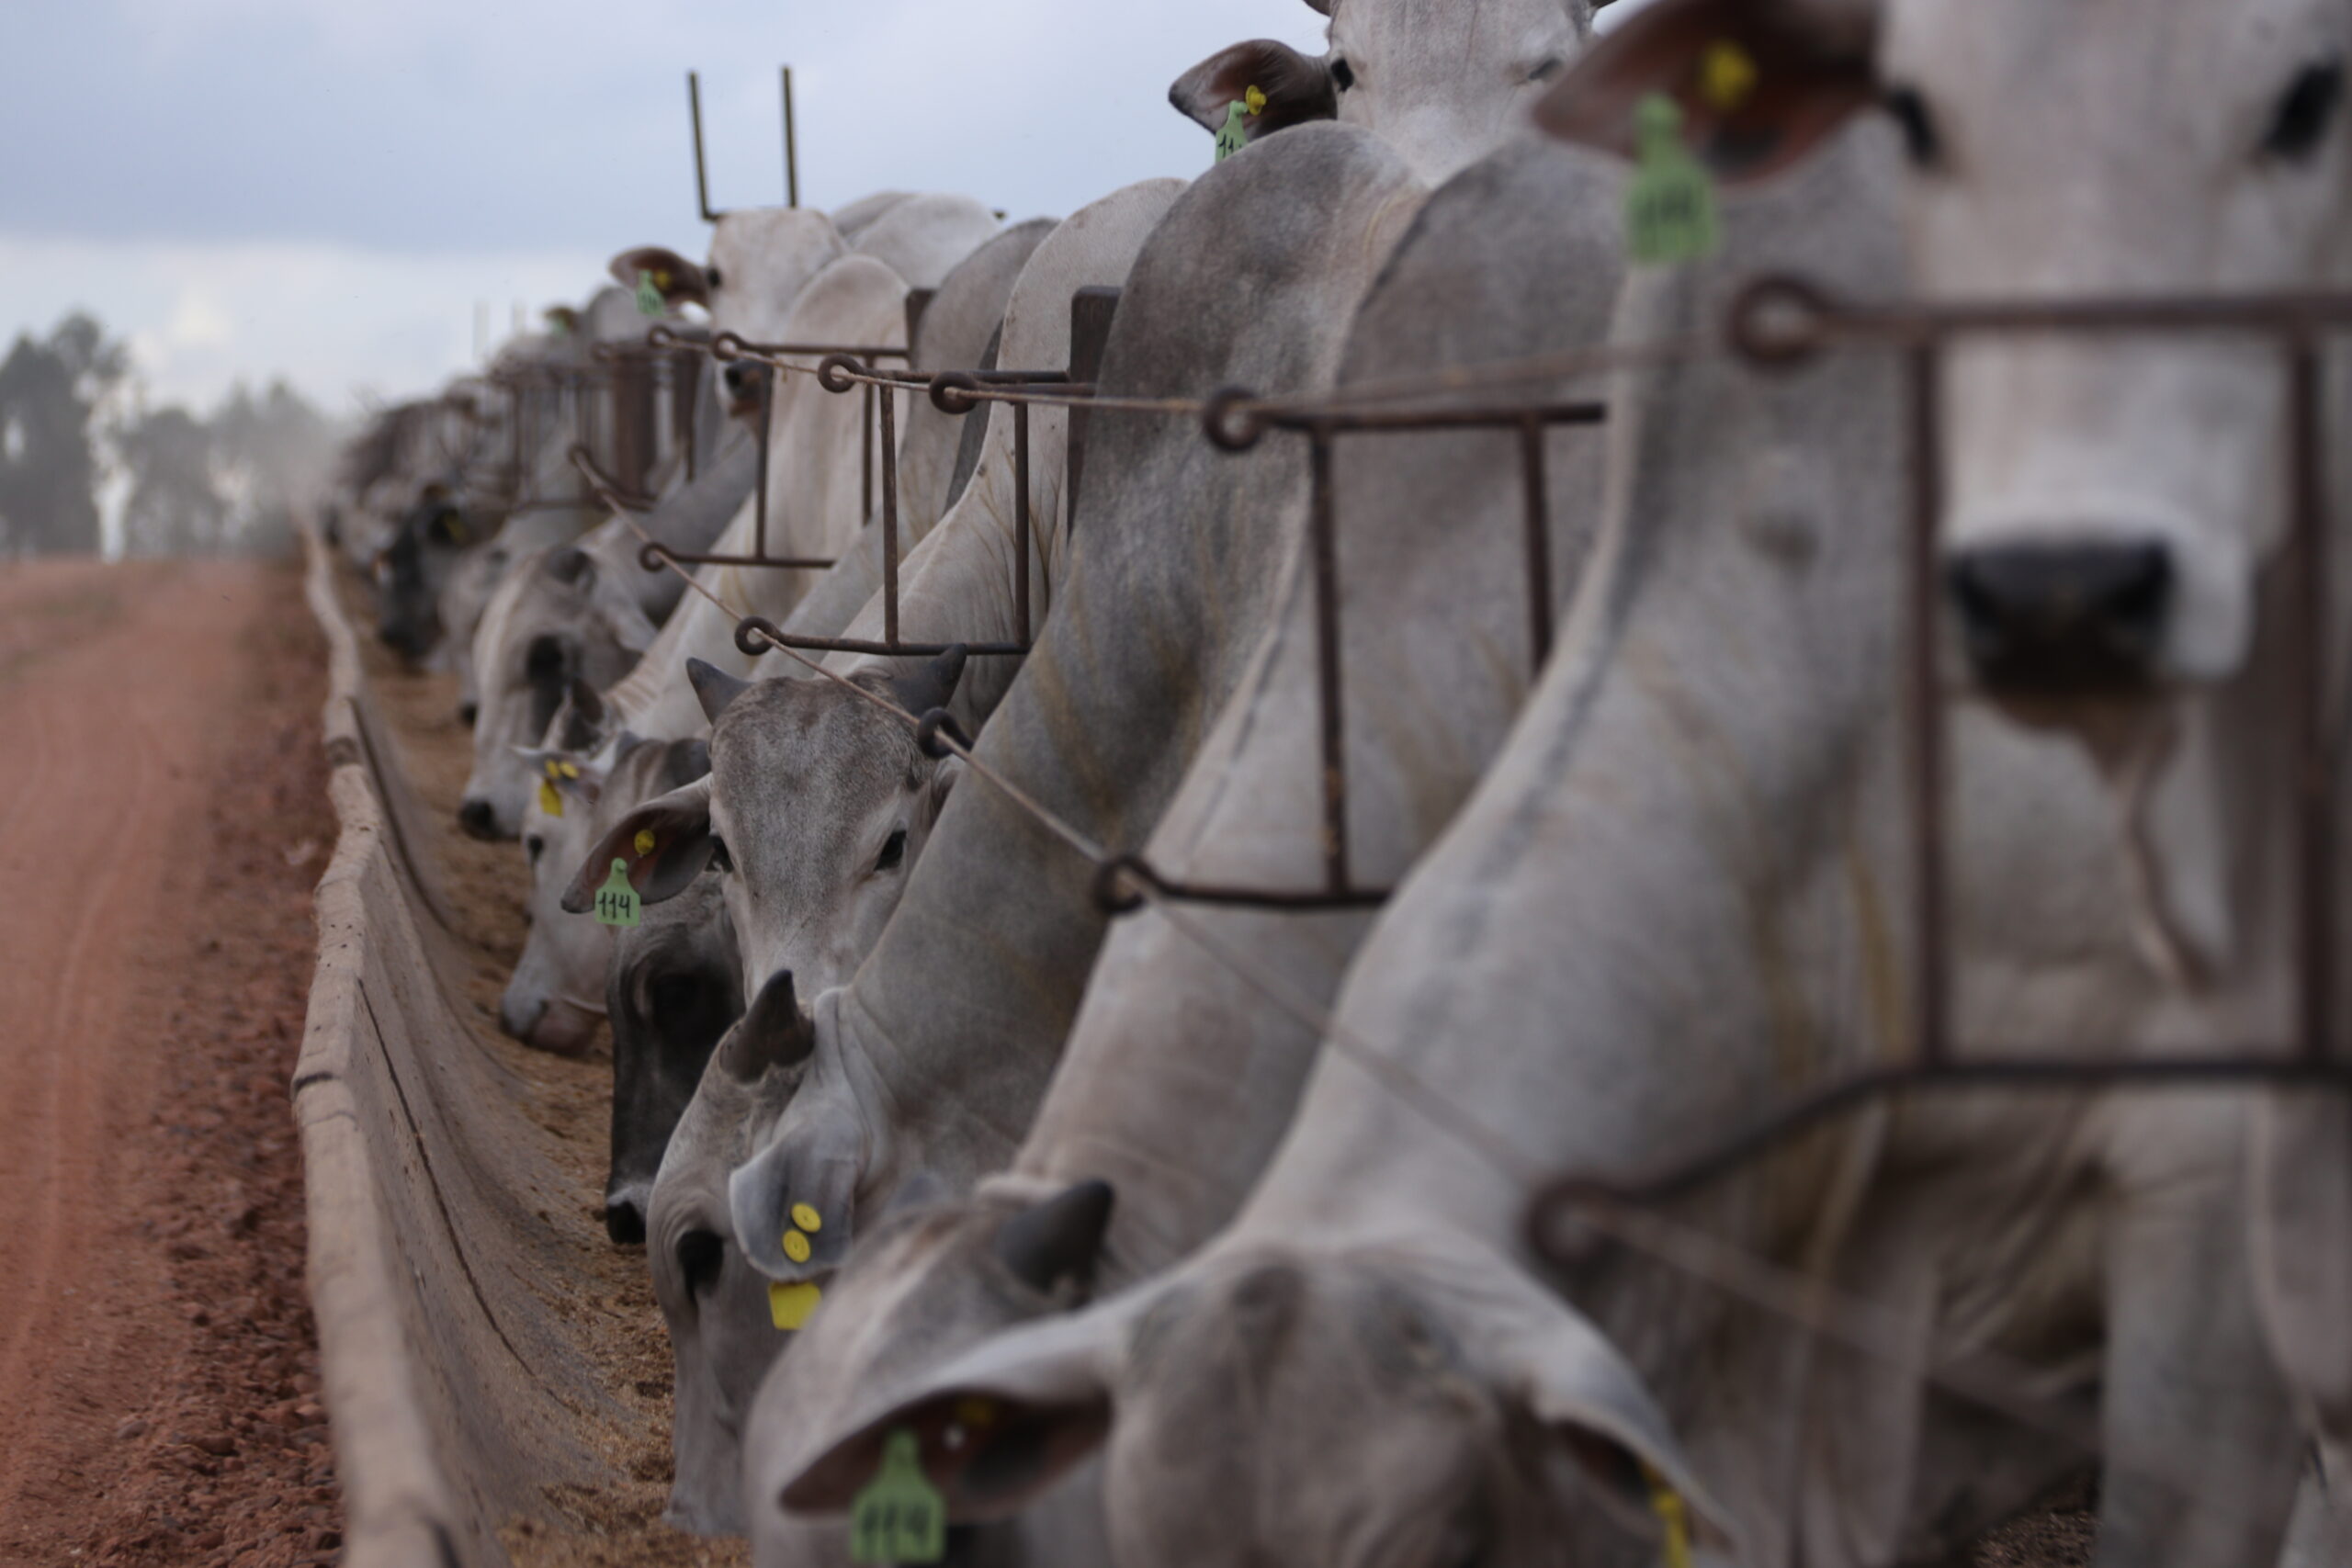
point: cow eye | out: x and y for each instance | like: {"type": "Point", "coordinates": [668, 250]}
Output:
{"type": "Point", "coordinates": [2304, 112]}
{"type": "Point", "coordinates": [1921, 138]}
{"type": "Point", "coordinates": [894, 850]}
{"type": "Point", "coordinates": [1547, 69]}
{"type": "Point", "coordinates": [534, 847]}
{"type": "Point", "coordinates": [1344, 75]}
{"type": "Point", "coordinates": [700, 1256]}
{"type": "Point", "coordinates": [720, 860]}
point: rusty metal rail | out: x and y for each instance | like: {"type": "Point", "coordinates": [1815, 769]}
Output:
{"type": "Point", "coordinates": [1779, 322]}
{"type": "Point", "coordinates": [841, 370]}
{"type": "Point", "coordinates": [1234, 419]}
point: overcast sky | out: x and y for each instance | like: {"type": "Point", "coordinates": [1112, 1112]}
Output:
{"type": "Point", "coordinates": [327, 190]}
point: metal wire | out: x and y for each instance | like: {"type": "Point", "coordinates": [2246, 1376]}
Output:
{"type": "Point", "coordinates": [2006, 1387]}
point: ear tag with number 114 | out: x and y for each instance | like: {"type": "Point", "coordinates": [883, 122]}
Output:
{"type": "Point", "coordinates": [617, 900]}
{"type": "Point", "coordinates": [1670, 203]}
{"type": "Point", "coordinates": [1235, 136]}
{"type": "Point", "coordinates": [900, 1517]}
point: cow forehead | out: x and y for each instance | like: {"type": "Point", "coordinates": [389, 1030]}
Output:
{"type": "Point", "coordinates": [2144, 68]}
{"type": "Point", "coordinates": [797, 732]}
{"type": "Point", "coordinates": [1458, 36]}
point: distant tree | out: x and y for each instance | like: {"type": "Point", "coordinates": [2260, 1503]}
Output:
{"type": "Point", "coordinates": [176, 507]}
{"type": "Point", "coordinates": [50, 392]}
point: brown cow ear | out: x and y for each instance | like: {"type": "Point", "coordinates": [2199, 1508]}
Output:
{"type": "Point", "coordinates": [665, 844]}
{"type": "Point", "coordinates": [678, 280]}
{"type": "Point", "coordinates": [1760, 83]}
{"type": "Point", "coordinates": [1297, 87]}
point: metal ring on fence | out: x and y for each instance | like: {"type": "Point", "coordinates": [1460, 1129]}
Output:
{"type": "Point", "coordinates": [947, 389]}
{"type": "Point", "coordinates": [1111, 896]}
{"type": "Point", "coordinates": [755, 635]}
{"type": "Point", "coordinates": [1779, 322]}
{"type": "Point", "coordinates": [727, 348]}
{"type": "Point", "coordinates": [653, 555]}
{"type": "Point", "coordinates": [834, 372]}
{"type": "Point", "coordinates": [930, 726]}
{"type": "Point", "coordinates": [1218, 420]}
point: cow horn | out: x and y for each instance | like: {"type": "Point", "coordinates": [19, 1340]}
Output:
{"type": "Point", "coordinates": [1058, 1238]}
{"type": "Point", "coordinates": [715, 686]}
{"type": "Point", "coordinates": [775, 1034]}
{"type": "Point", "coordinates": [932, 686]}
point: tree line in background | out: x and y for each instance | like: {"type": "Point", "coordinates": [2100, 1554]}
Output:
{"type": "Point", "coordinates": [76, 441]}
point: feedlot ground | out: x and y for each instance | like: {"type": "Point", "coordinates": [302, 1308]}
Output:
{"type": "Point", "coordinates": [162, 817]}
{"type": "Point", "coordinates": [607, 1306]}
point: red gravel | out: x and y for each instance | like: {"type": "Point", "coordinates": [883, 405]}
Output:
{"type": "Point", "coordinates": [158, 1367]}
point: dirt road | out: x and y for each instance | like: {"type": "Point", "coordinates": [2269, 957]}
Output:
{"type": "Point", "coordinates": [161, 819]}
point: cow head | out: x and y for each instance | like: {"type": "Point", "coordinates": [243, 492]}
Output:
{"type": "Point", "coordinates": [1273, 1405]}
{"type": "Point", "coordinates": [558, 619]}
{"type": "Point", "coordinates": [816, 809]}
{"type": "Point", "coordinates": [557, 993]}
{"type": "Point", "coordinates": [675, 988]}
{"type": "Point", "coordinates": [761, 257]}
{"type": "Point", "coordinates": [413, 570]}
{"type": "Point", "coordinates": [1443, 85]}
{"type": "Point", "coordinates": [2110, 500]}
{"type": "Point", "coordinates": [723, 1328]}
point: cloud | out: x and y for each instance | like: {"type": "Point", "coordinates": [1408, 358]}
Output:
{"type": "Point", "coordinates": [251, 188]}
{"type": "Point", "coordinates": [342, 323]}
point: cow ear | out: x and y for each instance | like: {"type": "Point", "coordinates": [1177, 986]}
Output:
{"type": "Point", "coordinates": [577, 783]}
{"type": "Point", "coordinates": [1760, 83]}
{"type": "Point", "coordinates": [1297, 87]}
{"type": "Point", "coordinates": [665, 844]}
{"type": "Point", "coordinates": [676, 279]}
{"type": "Point", "coordinates": [794, 1203]}
{"type": "Point", "coordinates": [1560, 1370]}
{"type": "Point", "coordinates": [996, 1425]}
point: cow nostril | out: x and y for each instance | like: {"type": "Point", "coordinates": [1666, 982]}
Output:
{"type": "Point", "coordinates": [478, 818]}
{"type": "Point", "coordinates": [2063, 618]}
{"type": "Point", "coordinates": [468, 712]}
{"type": "Point", "coordinates": [625, 1222]}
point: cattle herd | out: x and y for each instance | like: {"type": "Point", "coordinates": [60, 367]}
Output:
{"type": "Point", "coordinates": [1485, 750]}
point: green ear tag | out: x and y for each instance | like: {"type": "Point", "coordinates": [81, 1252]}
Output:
{"type": "Point", "coordinates": [649, 298]}
{"type": "Point", "coordinates": [617, 900]}
{"type": "Point", "coordinates": [1233, 138]}
{"type": "Point", "coordinates": [899, 1518]}
{"type": "Point", "coordinates": [1671, 204]}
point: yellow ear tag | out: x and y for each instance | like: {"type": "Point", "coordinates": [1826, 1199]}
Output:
{"type": "Point", "coordinates": [796, 1246]}
{"type": "Point", "coordinates": [568, 770]}
{"type": "Point", "coordinates": [645, 841]}
{"type": "Point", "coordinates": [1726, 76]}
{"type": "Point", "coordinates": [1256, 101]}
{"type": "Point", "coordinates": [1673, 1519]}
{"type": "Point", "coordinates": [806, 1218]}
{"type": "Point", "coordinates": [789, 1305]}
{"type": "Point", "coordinates": [550, 801]}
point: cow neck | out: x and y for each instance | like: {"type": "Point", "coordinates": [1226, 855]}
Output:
{"type": "Point", "coordinates": [973, 988]}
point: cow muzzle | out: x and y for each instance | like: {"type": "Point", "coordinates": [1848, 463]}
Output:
{"type": "Point", "coordinates": [2063, 619]}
